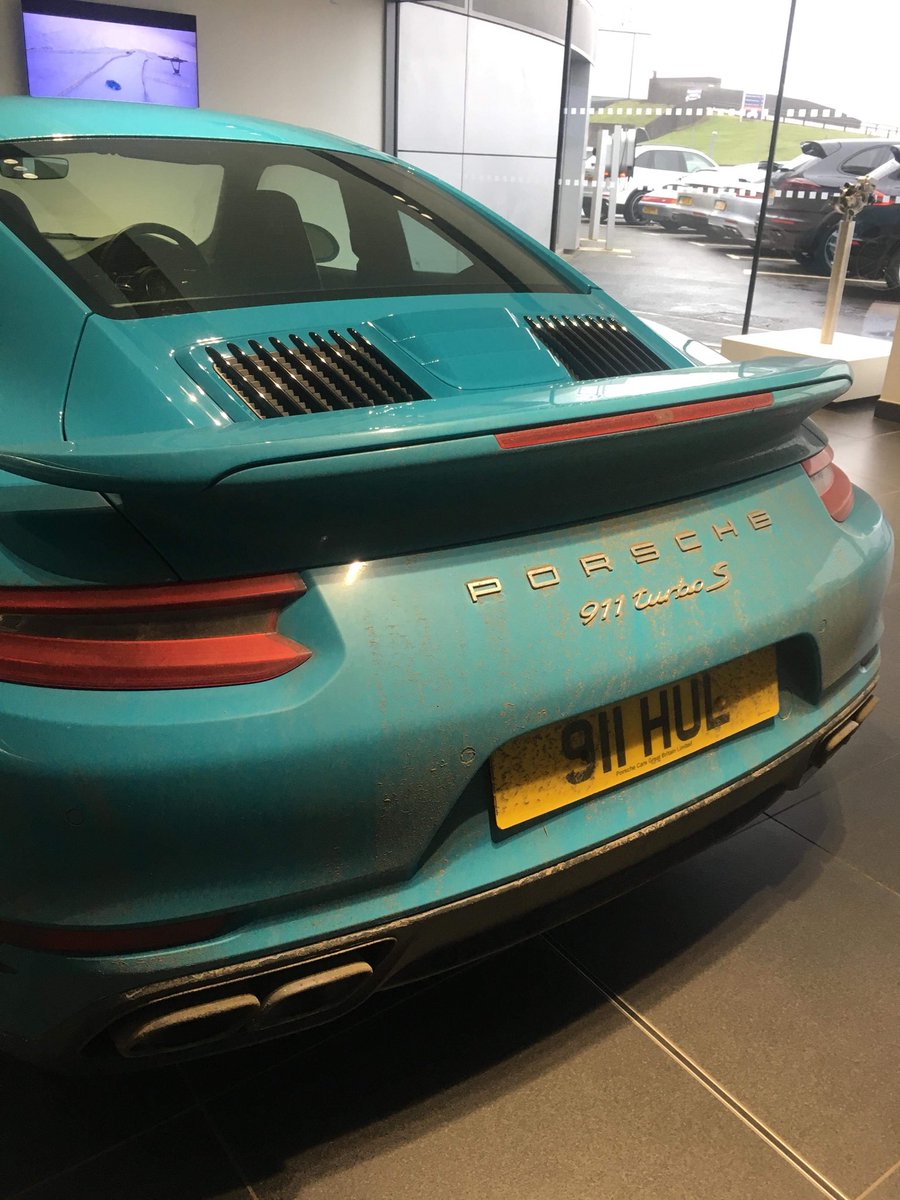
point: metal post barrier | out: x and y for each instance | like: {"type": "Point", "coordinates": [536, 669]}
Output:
{"type": "Point", "coordinates": [602, 155]}
{"type": "Point", "coordinates": [613, 185]}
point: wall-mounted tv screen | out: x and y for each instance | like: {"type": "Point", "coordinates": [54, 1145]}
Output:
{"type": "Point", "coordinates": [104, 52]}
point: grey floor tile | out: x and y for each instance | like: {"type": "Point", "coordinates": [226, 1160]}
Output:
{"type": "Point", "coordinates": [776, 967]}
{"type": "Point", "coordinates": [516, 1079]}
{"type": "Point", "coordinates": [853, 418]}
{"type": "Point", "coordinates": [51, 1122]}
{"type": "Point", "coordinates": [180, 1160]}
{"type": "Point", "coordinates": [875, 458]}
{"type": "Point", "coordinates": [858, 819]}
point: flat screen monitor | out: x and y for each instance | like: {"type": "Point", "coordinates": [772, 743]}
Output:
{"type": "Point", "coordinates": [103, 52]}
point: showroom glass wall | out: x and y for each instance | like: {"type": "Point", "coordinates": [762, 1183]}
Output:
{"type": "Point", "coordinates": [701, 103]}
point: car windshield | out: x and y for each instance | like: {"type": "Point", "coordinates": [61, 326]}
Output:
{"type": "Point", "coordinates": [145, 226]}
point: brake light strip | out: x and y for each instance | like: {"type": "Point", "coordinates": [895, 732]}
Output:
{"type": "Point", "coordinates": [648, 418]}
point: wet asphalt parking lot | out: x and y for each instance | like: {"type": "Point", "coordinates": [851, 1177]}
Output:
{"type": "Point", "coordinates": [700, 287]}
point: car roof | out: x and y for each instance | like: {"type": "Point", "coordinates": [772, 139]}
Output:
{"type": "Point", "coordinates": [833, 145]}
{"type": "Point", "coordinates": [667, 146]}
{"type": "Point", "coordinates": [29, 117]}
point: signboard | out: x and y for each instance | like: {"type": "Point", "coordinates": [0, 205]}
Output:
{"type": "Point", "coordinates": [753, 106]}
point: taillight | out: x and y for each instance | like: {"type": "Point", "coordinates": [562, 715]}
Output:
{"type": "Point", "coordinates": [806, 185]}
{"type": "Point", "coordinates": [881, 198]}
{"type": "Point", "coordinates": [105, 939]}
{"type": "Point", "coordinates": [180, 635]}
{"type": "Point", "coordinates": [833, 487]}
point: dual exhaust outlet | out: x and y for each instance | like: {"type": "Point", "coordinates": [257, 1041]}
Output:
{"type": "Point", "coordinates": [250, 1008]}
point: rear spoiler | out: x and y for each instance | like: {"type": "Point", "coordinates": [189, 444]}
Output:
{"type": "Point", "coordinates": [743, 396]}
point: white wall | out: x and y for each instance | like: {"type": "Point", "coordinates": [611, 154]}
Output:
{"type": "Point", "coordinates": [310, 62]}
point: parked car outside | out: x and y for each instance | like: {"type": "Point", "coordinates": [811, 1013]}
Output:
{"type": "Point", "coordinates": [800, 216]}
{"type": "Point", "coordinates": [735, 215]}
{"type": "Point", "coordinates": [655, 166]}
{"type": "Point", "coordinates": [375, 589]}
{"type": "Point", "coordinates": [689, 203]}
{"type": "Point", "coordinates": [875, 249]}
{"type": "Point", "coordinates": [827, 234]}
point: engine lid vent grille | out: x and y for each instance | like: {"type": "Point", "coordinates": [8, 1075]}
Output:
{"type": "Point", "coordinates": [285, 377]}
{"type": "Point", "coordinates": [592, 347]}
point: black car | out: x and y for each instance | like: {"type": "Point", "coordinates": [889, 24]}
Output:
{"type": "Point", "coordinates": [875, 251]}
{"type": "Point", "coordinates": [801, 219]}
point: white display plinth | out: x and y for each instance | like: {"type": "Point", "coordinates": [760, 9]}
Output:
{"type": "Point", "coordinates": [867, 356]}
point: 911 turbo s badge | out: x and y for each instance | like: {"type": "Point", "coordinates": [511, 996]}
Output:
{"type": "Point", "coordinates": [547, 575]}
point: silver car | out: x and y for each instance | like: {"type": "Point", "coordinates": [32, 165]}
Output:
{"type": "Point", "coordinates": [701, 200]}
{"type": "Point", "coordinates": [735, 215]}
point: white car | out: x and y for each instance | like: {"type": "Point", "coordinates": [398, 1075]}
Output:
{"type": "Point", "coordinates": [655, 166]}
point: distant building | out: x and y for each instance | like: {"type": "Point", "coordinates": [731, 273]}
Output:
{"type": "Point", "coordinates": [706, 91]}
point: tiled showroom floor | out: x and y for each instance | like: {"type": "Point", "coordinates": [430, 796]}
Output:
{"type": "Point", "coordinates": [730, 1030]}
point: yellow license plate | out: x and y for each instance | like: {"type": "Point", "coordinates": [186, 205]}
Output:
{"type": "Point", "coordinates": [649, 208]}
{"type": "Point", "coordinates": [550, 768]}
{"type": "Point", "coordinates": [685, 199]}
{"type": "Point", "coordinates": [721, 205]}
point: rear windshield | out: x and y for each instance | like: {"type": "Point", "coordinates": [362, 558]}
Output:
{"type": "Point", "coordinates": [795, 165]}
{"type": "Point", "coordinates": [144, 226]}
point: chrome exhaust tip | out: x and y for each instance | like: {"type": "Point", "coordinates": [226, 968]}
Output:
{"type": "Point", "coordinates": [248, 1008]}
{"type": "Point", "coordinates": [183, 1028]}
{"type": "Point", "coordinates": [841, 736]}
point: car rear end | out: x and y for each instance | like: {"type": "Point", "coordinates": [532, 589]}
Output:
{"type": "Point", "coordinates": [432, 618]}
{"type": "Point", "coordinates": [800, 217]}
{"type": "Point", "coordinates": [514, 661]}
{"type": "Point", "coordinates": [875, 250]}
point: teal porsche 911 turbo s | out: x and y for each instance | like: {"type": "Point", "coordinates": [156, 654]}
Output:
{"type": "Point", "coordinates": [374, 589]}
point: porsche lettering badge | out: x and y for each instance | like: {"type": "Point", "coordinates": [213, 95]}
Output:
{"type": "Point", "coordinates": [547, 575]}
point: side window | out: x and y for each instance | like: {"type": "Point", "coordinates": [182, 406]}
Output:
{"type": "Point", "coordinates": [647, 159]}
{"type": "Point", "coordinates": [429, 251]}
{"type": "Point", "coordinates": [320, 202]}
{"type": "Point", "coordinates": [696, 162]}
{"type": "Point", "coordinates": [670, 160]}
{"type": "Point", "coordinates": [866, 160]}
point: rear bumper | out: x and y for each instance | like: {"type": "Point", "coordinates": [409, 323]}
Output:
{"type": "Point", "coordinates": [735, 223]}
{"type": "Point", "coordinates": [256, 999]}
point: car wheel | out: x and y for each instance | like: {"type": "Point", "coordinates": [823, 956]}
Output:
{"type": "Point", "coordinates": [892, 273]}
{"type": "Point", "coordinates": [822, 257]}
{"type": "Point", "coordinates": [630, 210]}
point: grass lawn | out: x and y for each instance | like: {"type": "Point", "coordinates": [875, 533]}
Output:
{"type": "Point", "coordinates": [738, 141]}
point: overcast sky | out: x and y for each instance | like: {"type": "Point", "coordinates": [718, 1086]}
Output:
{"type": "Point", "coordinates": [842, 56]}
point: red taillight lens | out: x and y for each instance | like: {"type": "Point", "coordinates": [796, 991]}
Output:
{"type": "Point", "coordinates": [806, 185]}
{"type": "Point", "coordinates": [881, 198]}
{"type": "Point", "coordinates": [833, 487]}
{"type": "Point", "coordinates": [180, 635]}
{"type": "Point", "coordinates": [123, 939]}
